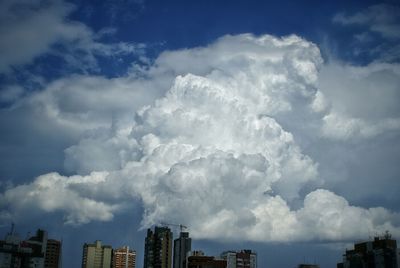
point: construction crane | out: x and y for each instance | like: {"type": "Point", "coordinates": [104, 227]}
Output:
{"type": "Point", "coordinates": [181, 226]}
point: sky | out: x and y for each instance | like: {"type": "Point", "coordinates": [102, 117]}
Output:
{"type": "Point", "coordinates": [269, 125]}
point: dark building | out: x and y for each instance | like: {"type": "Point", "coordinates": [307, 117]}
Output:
{"type": "Point", "coordinates": [182, 246]}
{"type": "Point", "coordinates": [205, 262]}
{"type": "Point", "coordinates": [37, 251]}
{"type": "Point", "coordinates": [158, 248]}
{"type": "Point", "coordinates": [53, 254]}
{"type": "Point", "coordinates": [379, 253]}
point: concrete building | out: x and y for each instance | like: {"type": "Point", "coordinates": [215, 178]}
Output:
{"type": "Point", "coordinates": [158, 248]}
{"type": "Point", "coordinates": [124, 258]}
{"type": "Point", "coordinates": [240, 259]}
{"type": "Point", "coordinates": [380, 253]}
{"type": "Point", "coordinates": [182, 246]}
{"type": "Point", "coordinates": [53, 254]}
{"type": "Point", "coordinates": [96, 255]}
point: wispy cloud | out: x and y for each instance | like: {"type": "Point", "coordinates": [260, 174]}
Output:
{"type": "Point", "coordinates": [31, 29]}
{"type": "Point", "coordinates": [383, 19]}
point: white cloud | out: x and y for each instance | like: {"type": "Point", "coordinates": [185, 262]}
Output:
{"type": "Point", "coordinates": [327, 216]}
{"type": "Point", "coordinates": [30, 29]}
{"type": "Point", "coordinates": [363, 102]}
{"type": "Point", "coordinates": [383, 19]}
{"type": "Point", "coordinates": [51, 192]}
{"type": "Point", "coordinates": [216, 144]}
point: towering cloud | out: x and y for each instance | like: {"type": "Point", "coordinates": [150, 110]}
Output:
{"type": "Point", "coordinates": [218, 151]}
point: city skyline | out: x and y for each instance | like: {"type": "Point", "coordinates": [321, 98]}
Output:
{"type": "Point", "coordinates": [268, 125]}
{"type": "Point", "coordinates": [160, 252]}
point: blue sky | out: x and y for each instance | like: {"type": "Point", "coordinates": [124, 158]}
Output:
{"type": "Point", "coordinates": [271, 125]}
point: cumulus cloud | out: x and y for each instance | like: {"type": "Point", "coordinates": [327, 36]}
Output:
{"type": "Point", "coordinates": [214, 142]}
{"type": "Point", "coordinates": [362, 103]}
{"type": "Point", "coordinates": [52, 192]}
{"type": "Point", "coordinates": [31, 29]}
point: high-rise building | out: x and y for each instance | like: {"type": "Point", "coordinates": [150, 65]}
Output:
{"type": "Point", "coordinates": [96, 255]}
{"type": "Point", "coordinates": [381, 252]}
{"type": "Point", "coordinates": [158, 247]}
{"type": "Point", "coordinates": [53, 254]}
{"type": "Point", "coordinates": [124, 258]}
{"type": "Point", "coordinates": [240, 259]}
{"type": "Point", "coordinates": [182, 246]}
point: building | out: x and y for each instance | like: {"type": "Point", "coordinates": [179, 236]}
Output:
{"type": "Point", "coordinates": [158, 248]}
{"type": "Point", "coordinates": [38, 251]}
{"type": "Point", "coordinates": [38, 244]}
{"type": "Point", "coordinates": [11, 254]}
{"type": "Point", "coordinates": [182, 246]}
{"type": "Point", "coordinates": [96, 255]}
{"type": "Point", "coordinates": [380, 253]}
{"type": "Point", "coordinates": [240, 259]}
{"type": "Point", "coordinates": [53, 254]}
{"type": "Point", "coordinates": [124, 258]}
{"type": "Point", "coordinates": [197, 259]}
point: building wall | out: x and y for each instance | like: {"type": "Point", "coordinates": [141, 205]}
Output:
{"type": "Point", "coordinates": [381, 252]}
{"type": "Point", "coordinates": [182, 246]}
{"type": "Point", "coordinates": [38, 251]}
{"type": "Point", "coordinates": [53, 254]}
{"type": "Point", "coordinates": [96, 256]}
{"type": "Point", "coordinates": [230, 258]}
{"type": "Point", "coordinates": [240, 259]}
{"type": "Point", "coordinates": [158, 248]}
{"type": "Point", "coordinates": [124, 258]}
{"type": "Point", "coordinates": [205, 262]}
{"type": "Point", "coordinates": [5, 259]}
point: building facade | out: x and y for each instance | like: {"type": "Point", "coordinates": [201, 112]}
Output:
{"type": "Point", "coordinates": [240, 259]}
{"type": "Point", "coordinates": [96, 255]}
{"type": "Point", "coordinates": [35, 252]}
{"type": "Point", "coordinates": [379, 253]}
{"type": "Point", "coordinates": [182, 246]}
{"type": "Point", "coordinates": [124, 258]}
{"type": "Point", "coordinates": [53, 254]}
{"type": "Point", "coordinates": [158, 248]}
{"type": "Point", "coordinates": [197, 259]}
